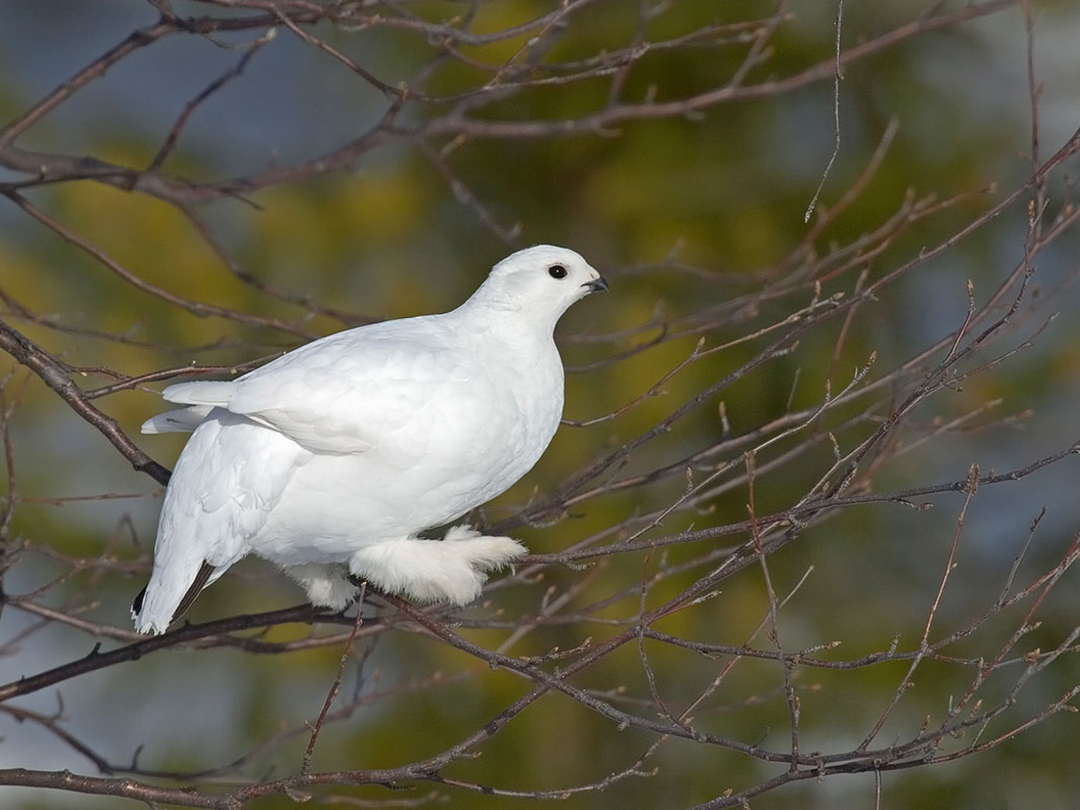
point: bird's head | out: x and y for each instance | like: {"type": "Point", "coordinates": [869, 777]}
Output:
{"type": "Point", "coordinates": [539, 282]}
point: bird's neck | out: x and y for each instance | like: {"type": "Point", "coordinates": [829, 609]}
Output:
{"type": "Point", "coordinates": [508, 318]}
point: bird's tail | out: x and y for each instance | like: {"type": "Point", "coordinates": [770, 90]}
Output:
{"type": "Point", "coordinates": [169, 594]}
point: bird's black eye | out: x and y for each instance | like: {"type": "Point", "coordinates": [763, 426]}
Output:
{"type": "Point", "coordinates": [557, 271]}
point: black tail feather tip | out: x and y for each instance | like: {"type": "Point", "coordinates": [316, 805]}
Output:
{"type": "Point", "coordinates": [136, 605]}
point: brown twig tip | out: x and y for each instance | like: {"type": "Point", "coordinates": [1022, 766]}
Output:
{"type": "Point", "coordinates": [838, 76]}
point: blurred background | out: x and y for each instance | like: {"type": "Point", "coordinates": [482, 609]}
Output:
{"type": "Point", "coordinates": [677, 146]}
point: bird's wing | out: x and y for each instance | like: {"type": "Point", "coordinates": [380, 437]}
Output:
{"type": "Point", "coordinates": [182, 420]}
{"type": "Point", "coordinates": [344, 393]}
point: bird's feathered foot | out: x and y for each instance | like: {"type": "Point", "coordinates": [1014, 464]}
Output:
{"type": "Point", "coordinates": [453, 569]}
{"type": "Point", "coordinates": [327, 585]}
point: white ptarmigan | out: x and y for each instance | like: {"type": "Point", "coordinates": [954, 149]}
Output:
{"type": "Point", "coordinates": [330, 460]}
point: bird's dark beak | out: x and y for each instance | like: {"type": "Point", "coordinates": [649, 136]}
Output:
{"type": "Point", "coordinates": [599, 284]}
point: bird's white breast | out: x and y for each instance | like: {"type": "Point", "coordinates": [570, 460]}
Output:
{"type": "Point", "coordinates": [461, 426]}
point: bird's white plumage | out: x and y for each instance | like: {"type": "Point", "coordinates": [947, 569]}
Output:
{"type": "Point", "coordinates": [331, 459]}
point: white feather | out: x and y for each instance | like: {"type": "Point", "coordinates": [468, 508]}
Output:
{"type": "Point", "coordinates": [331, 459]}
{"type": "Point", "coordinates": [182, 420]}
